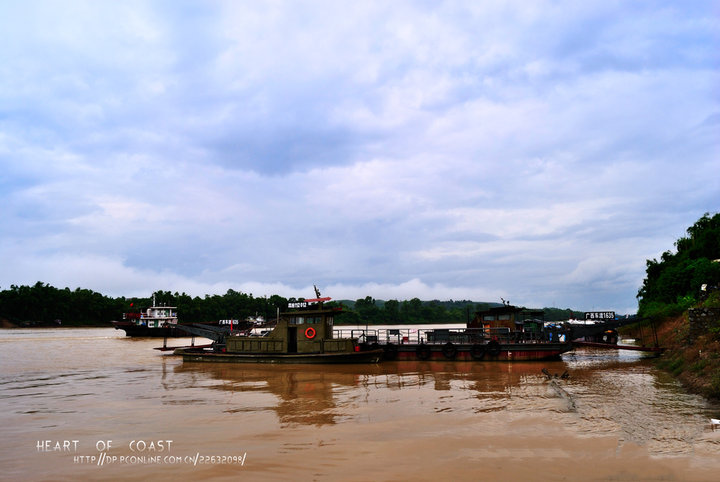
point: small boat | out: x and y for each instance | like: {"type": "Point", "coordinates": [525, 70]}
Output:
{"type": "Point", "coordinates": [714, 422]}
{"type": "Point", "coordinates": [302, 335]}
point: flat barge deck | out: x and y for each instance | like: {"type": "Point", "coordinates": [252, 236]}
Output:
{"type": "Point", "coordinates": [462, 344]}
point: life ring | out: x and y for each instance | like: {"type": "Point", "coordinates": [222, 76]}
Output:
{"type": "Point", "coordinates": [477, 351]}
{"type": "Point", "coordinates": [449, 350]}
{"type": "Point", "coordinates": [423, 352]}
{"type": "Point", "coordinates": [390, 351]}
{"type": "Point", "coordinates": [310, 332]}
{"type": "Point", "coordinates": [493, 348]}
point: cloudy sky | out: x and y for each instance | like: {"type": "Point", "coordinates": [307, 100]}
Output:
{"type": "Point", "coordinates": [535, 151]}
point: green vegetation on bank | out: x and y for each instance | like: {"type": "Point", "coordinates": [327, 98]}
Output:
{"type": "Point", "coordinates": [46, 305]}
{"type": "Point", "coordinates": [677, 282]}
{"type": "Point", "coordinates": [694, 360]}
{"type": "Point", "coordinates": [42, 304]}
{"type": "Point", "coordinates": [672, 284]}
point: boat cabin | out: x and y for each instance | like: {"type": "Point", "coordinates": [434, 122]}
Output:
{"type": "Point", "coordinates": [306, 328]}
{"type": "Point", "coordinates": [154, 317]}
{"type": "Point", "coordinates": [514, 318]}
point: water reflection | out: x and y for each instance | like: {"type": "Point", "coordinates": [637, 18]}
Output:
{"type": "Point", "coordinates": [606, 394]}
{"type": "Point", "coordinates": [412, 419]}
{"type": "Point", "coordinates": [326, 395]}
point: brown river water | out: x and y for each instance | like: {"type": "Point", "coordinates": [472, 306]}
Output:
{"type": "Point", "coordinates": [93, 404]}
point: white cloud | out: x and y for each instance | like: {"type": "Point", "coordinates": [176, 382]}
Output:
{"type": "Point", "coordinates": [464, 150]}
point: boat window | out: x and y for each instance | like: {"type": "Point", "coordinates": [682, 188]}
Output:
{"type": "Point", "coordinates": [329, 320]}
{"type": "Point", "coordinates": [488, 317]}
{"type": "Point", "coordinates": [504, 317]}
{"type": "Point", "coordinates": [297, 320]}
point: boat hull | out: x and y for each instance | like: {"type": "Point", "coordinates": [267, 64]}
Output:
{"type": "Point", "coordinates": [173, 331]}
{"type": "Point", "coordinates": [203, 355]}
{"type": "Point", "coordinates": [131, 329]}
{"type": "Point", "coordinates": [465, 352]}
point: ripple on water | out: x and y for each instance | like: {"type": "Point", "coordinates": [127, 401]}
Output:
{"type": "Point", "coordinates": [475, 411]}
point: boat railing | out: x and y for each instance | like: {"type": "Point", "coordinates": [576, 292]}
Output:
{"type": "Point", "coordinates": [441, 336]}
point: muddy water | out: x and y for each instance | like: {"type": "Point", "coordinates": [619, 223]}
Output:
{"type": "Point", "coordinates": [93, 404]}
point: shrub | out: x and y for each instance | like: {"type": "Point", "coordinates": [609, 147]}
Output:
{"type": "Point", "coordinates": [699, 366]}
{"type": "Point", "coordinates": [715, 384]}
{"type": "Point", "coordinates": [713, 300]}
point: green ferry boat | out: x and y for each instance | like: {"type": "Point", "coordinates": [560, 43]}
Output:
{"type": "Point", "coordinates": [304, 334]}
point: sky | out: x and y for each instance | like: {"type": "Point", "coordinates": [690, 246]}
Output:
{"type": "Point", "coordinates": [536, 151]}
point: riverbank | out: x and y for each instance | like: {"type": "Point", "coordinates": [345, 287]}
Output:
{"type": "Point", "coordinates": [691, 356]}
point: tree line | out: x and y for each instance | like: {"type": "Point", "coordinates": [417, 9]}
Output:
{"type": "Point", "coordinates": [46, 305]}
{"type": "Point", "coordinates": [394, 312]}
{"type": "Point", "coordinates": [43, 304]}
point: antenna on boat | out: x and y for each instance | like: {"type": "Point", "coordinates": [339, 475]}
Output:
{"type": "Point", "coordinates": [317, 292]}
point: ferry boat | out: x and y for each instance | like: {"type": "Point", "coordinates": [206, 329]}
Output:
{"type": "Point", "coordinates": [304, 334]}
{"type": "Point", "coordinates": [506, 333]}
{"type": "Point", "coordinates": [162, 322]}
{"type": "Point", "coordinates": [156, 321]}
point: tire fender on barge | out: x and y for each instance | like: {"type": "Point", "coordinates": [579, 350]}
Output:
{"type": "Point", "coordinates": [449, 350]}
{"type": "Point", "coordinates": [493, 348]}
{"type": "Point", "coordinates": [390, 351]}
{"type": "Point", "coordinates": [477, 351]}
{"type": "Point", "coordinates": [423, 352]}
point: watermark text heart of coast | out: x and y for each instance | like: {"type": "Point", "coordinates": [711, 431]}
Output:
{"type": "Point", "coordinates": [133, 452]}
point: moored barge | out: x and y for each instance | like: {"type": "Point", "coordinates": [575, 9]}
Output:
{"type": "Point", "coordinates": [506, 333]}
